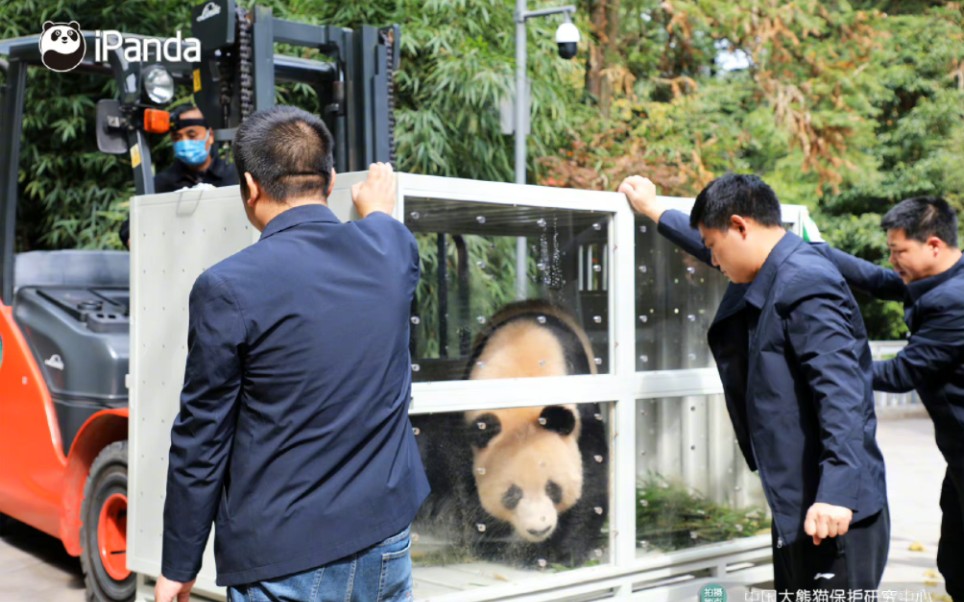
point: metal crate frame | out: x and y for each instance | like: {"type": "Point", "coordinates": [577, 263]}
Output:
{"type": "Point", "coordinates": [625, 575]}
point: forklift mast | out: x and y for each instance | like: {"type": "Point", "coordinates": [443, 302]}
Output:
{"type": "Point", "coordinates": [237, 75]}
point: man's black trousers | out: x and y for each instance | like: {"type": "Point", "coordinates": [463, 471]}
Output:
{"type": "Point", "coordinates": [950, 551]}
{"type": "Point", "coordinates": [854, 561]}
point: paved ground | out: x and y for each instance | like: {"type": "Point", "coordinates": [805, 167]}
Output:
{"type": "Point", "coordinates": [915, 471]}
{"type": "Point", "coordinates": [35, 567]}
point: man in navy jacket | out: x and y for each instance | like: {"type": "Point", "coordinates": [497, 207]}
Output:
{"type": "Point", "coordinates": [293, 433]}
{"type": "Point", "coordinates": [792, 352]}
{"type": "Point", "coordinates": [928, 277]}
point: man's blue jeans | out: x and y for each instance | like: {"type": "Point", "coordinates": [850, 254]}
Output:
{"type": "Point", "coordinates": [382, 573]}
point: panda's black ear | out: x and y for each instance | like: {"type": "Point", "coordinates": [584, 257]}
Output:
{"type": "Point", "coordinates": [558, 419]}
{"type": "Point", "coordinates": [481, 430]}
{"type": "Point", "coordinates": [75, 25]}
{"type": "Point", "coordinates": [48, 25]}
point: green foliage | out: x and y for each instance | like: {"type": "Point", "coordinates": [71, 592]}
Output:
{"type": "Point", "coordinates": [669, 516]}
{"type": "Point", "coordinates": [920, 112]}
{"type": "Point", "coordinates": [845, 107]}
{"type": "Point", "coordinates": [457, 66]}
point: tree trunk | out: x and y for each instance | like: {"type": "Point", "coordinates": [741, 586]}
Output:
{"type": "Point", "coordinates": [603, 37]}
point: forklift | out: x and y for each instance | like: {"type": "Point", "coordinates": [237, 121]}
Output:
{"type": "Point", "coordinates": [65, 314]}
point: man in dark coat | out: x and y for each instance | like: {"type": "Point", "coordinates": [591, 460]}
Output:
{"type": "Point", "coordinates": [293, 433]}
{"type": "Point", "coordinates": [792, 352]}
{"type": "Point", "coordinates": [928, 277]}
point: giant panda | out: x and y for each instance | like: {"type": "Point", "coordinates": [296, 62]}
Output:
{"type": "Point", "coordinates": [526, 485]}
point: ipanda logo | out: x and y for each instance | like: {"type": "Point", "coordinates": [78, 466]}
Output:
{"type": "Point", "coordinates": [63, 47]}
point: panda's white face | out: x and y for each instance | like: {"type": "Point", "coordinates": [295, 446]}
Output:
{"type": "Point", "coordinates": [61, 39]}
{"type": "Point", "coordinates": [528, 469]}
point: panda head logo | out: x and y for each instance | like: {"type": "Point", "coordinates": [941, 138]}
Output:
{"type": "Point", "coordinates": [62, 46]}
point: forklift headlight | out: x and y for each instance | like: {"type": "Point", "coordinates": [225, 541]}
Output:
{"type": "Point", "coordinates": [158, 84]}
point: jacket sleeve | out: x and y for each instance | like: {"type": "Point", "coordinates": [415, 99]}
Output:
{"type": "Point", "coordinates": [393, 239]}
{"type": "Point", "coordinates": [936, 348]}
{"type": "Point", "coordinates": [818, 323]}
{"type": "Point", "coordinates": [203, 432]}
{"type": "Point", "coordinates": [868, 277]}
{"type": "Point", "coordinates": [675, 225]}
{"type": "Point", "coordinates": [165, 181]}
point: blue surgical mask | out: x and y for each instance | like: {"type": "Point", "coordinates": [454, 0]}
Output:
{"type": "Point", "coordinates": [192, 152]}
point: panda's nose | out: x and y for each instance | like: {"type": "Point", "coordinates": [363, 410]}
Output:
{"type": "Point", "coordinates": [539, 532]}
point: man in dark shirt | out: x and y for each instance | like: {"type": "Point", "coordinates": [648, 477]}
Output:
{"type": "Point", "coordinates": [792, 353]}
{"type": "Point", "coordinates": [293, 432]}
{"type": "Point", "coordinates": [928, 277]}
{"type": "Point", "coordinates": [194, 162]}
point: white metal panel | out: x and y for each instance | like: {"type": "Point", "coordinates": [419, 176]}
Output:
{"type": "Point", "coordinates": [175, 236]}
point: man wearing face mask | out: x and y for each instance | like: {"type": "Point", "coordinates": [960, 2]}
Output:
{"type": "Point", "coordinates": [194, 162]}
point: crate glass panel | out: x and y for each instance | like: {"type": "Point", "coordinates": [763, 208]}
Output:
{"type": "Point", "coordinates": [517, 493]}
{"type": "Point", "coordinates": [676, 299]}
{"type": "Point", "coordinates": [472, 292]}
{"type": "Point", "coordinates": [693, 487]}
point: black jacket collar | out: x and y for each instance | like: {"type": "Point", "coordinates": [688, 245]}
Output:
{"type": "Point", "coordinates": [756, 293]}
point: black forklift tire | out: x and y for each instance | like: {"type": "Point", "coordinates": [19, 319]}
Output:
{"type": "Point", "coordinates": [105, 498]}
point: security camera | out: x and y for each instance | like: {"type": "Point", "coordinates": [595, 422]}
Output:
{"type": "Point", "coordinates": [567, 38]}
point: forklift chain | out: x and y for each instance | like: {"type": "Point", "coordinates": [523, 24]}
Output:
{"type": "Point", "coordinates": [245, 52]}
{"type": "Point", "coordinates": [388, 37]}
{"type": "Point", "coordinates": [225, 77]}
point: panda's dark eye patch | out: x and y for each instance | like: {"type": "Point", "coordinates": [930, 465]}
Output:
{"type": "Point", "coordinates": [56, 33]}
{"type": "Point", "coordinates": [554, 491]}
{"type": "Point", "coordinates": [512, 497]}
{"type": "Point", "coordinates": [72, 34]}
{"type": "Point", "coordinates": [558, 420]}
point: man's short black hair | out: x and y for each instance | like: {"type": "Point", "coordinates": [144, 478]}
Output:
{"type": "Point", "coordinates": [922, 217]}
{"type": "Point", "coordinates": [287, 151]}
{"type": "Point", "coordinates": [735, 194]}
